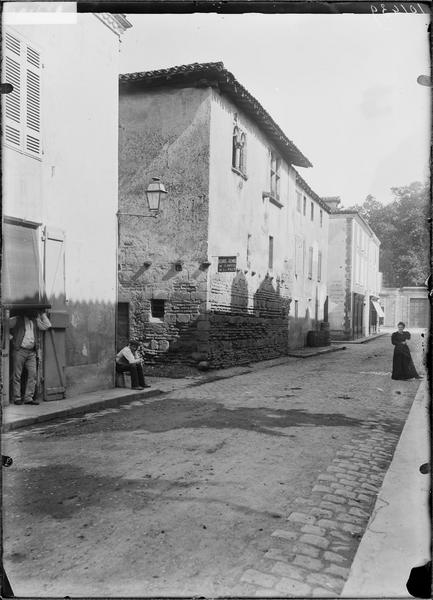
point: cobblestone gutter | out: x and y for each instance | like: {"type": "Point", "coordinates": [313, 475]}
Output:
{"type": "Point", "coordinates": [312, 553]}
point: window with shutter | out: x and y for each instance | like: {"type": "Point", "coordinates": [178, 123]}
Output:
{"type": "Point", "coordinates": [304, 250]}
{"type": "Point", "coordinates": [310, 263]}
{"type": "Point", "coordinates": [22, 107]}
{"type": "Point", "coordinates": [239, 151]}
{"type": "Point", "coordinates": [12, 103]}
{"type": "Point", "coordinates": [271, 253]}
{"type": "Point", "coordinates": [275, 175]}
{"type": "Point", "coordinates": [299, 256]}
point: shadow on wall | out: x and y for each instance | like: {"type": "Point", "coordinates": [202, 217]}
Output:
{"type": "Point", "coordinates": [90, 346]}
{"type": "Point", "coordinates": [239, 294]}
{"type": "Point", "coordinates": [237, 330]}
{"type": "Point", "coordinates": [78, 351]}
{"type": "Point", "coordinates": [299, 328]}
{"type": "Point", "coordinates": [255, 328]}
{"type": "Point", "coordinates": [88, 326]}
{"type": "Point", "coordinates": [90, 332]}
{"type": "Point", "coordinates": [268, 301]}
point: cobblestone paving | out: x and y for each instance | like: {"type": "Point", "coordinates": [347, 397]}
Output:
{"type": "Point", "coordinates": [312, 553]}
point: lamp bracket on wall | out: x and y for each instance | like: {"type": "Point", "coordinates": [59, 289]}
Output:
{"type": "Point", "coordinates": [124, 214]}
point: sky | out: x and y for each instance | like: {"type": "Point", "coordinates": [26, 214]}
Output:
{"type": "Point", "coordinates": [343, 88]}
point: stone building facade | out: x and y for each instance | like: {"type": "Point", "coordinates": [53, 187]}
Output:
{"type": "Point", "coordinates": [354, 280]}
{"type": "Point", "coordinates": [214, 276]}
{"type": "Point", "coordinates": [59, 170]}
{"type": "Point", "coordinates": [408, 304]}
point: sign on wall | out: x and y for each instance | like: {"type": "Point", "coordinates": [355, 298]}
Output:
{"type": "Point", "coordinates": [226, 264]}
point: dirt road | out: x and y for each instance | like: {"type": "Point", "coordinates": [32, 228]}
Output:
{"type": "Point", "coordinates": [184, 494]}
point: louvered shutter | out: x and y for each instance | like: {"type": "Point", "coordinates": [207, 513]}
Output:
{"type": "Point", "coordinates": [13, 102]}
{"type": "Point", "coordinates": [32, 129]}
{"type": "Point", "coordinates": [22, 107]}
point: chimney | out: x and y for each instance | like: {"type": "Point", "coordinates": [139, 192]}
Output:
{"type": "Point", "coordinates": [332, 202]}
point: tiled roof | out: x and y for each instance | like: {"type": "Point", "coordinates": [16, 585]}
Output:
{"type": "Point", "coordinates": [205, 74]}
{"type": "Point", "coordinates": [304, 185]}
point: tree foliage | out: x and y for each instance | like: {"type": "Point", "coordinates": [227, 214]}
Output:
{"type": "Point", "coordinates": [403, 228]}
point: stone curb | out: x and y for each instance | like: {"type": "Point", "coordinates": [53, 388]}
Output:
{"type": "Point", "coordinates": [363, 340]}
{"type": "Point", "coordinates": [78, 410]}
{"type": "Point", "coordinates": [312, 552]}
{"type": "Point", "coordinates": [397, 534]}
{"type": "Point", "coordinates": [316, 353]}
{"type": "Point", "coordinates": [113, 402]}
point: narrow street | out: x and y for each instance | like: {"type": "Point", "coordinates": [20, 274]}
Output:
{"type": "Point", "coordinates": [261, 483]}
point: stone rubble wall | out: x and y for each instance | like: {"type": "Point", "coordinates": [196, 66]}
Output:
{"type": "Point", "coordinates": [239, 339]}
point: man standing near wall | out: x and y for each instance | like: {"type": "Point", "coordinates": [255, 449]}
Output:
{"type": "Point", "coordinates": [25, 344]}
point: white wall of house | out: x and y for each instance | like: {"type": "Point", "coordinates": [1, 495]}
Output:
{"type": "Point", "coordinates": [365, 261]}
{"type": "Point", "coordinates": [309, 231]}
{"type": "Point", "coordinates": [353, 267]}
{"type": "Point", "coordinates": [236, 205]}
{"type": "Point", "coordinates": [241, 220]}
{"type": "Point", "coordinates": [339, 279]}
{"type": "Point", "coordinates": [71, 186]}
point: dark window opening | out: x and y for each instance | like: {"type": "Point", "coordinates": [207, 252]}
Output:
{"type": "Point", "coordinates": [157, 308]}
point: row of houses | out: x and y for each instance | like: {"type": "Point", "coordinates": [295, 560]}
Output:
{"type": "Point", "coordinates": [241, 260]}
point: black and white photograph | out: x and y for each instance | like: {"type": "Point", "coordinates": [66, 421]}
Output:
{"type": "Point", "coordinates": [215, 300]}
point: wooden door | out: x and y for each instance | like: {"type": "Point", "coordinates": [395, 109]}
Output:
{"type": "Point", "coordinates": [122, 325]}
{"type": "Point", "coordinates": [54, 356]}
{"type": "Point", "coordinates": [372, 326]}
{"type": "Point", "coordinates": [357, 315]}
{"type": "Point", "coordinates": [5, 357]}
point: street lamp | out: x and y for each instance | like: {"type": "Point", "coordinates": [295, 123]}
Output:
{"type": "Point", "coordinates": [154, 192]}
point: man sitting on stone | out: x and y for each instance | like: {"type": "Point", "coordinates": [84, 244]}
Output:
{"type": "Point", "coordinates": [25, 344]}
{"type": "Point", "coordinates": [128, 361]}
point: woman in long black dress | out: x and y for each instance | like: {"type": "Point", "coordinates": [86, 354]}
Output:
{"type": "Point", "coordinates": [402, 363]}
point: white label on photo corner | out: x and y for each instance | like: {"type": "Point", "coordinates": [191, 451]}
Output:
{"type": "Point", "coordinates": [39, 13]}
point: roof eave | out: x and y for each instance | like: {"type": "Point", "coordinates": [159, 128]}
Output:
{"type": "Point", "coordinates": [304, 185]}
{"type": "Point", "coordinates": [215, 75]}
